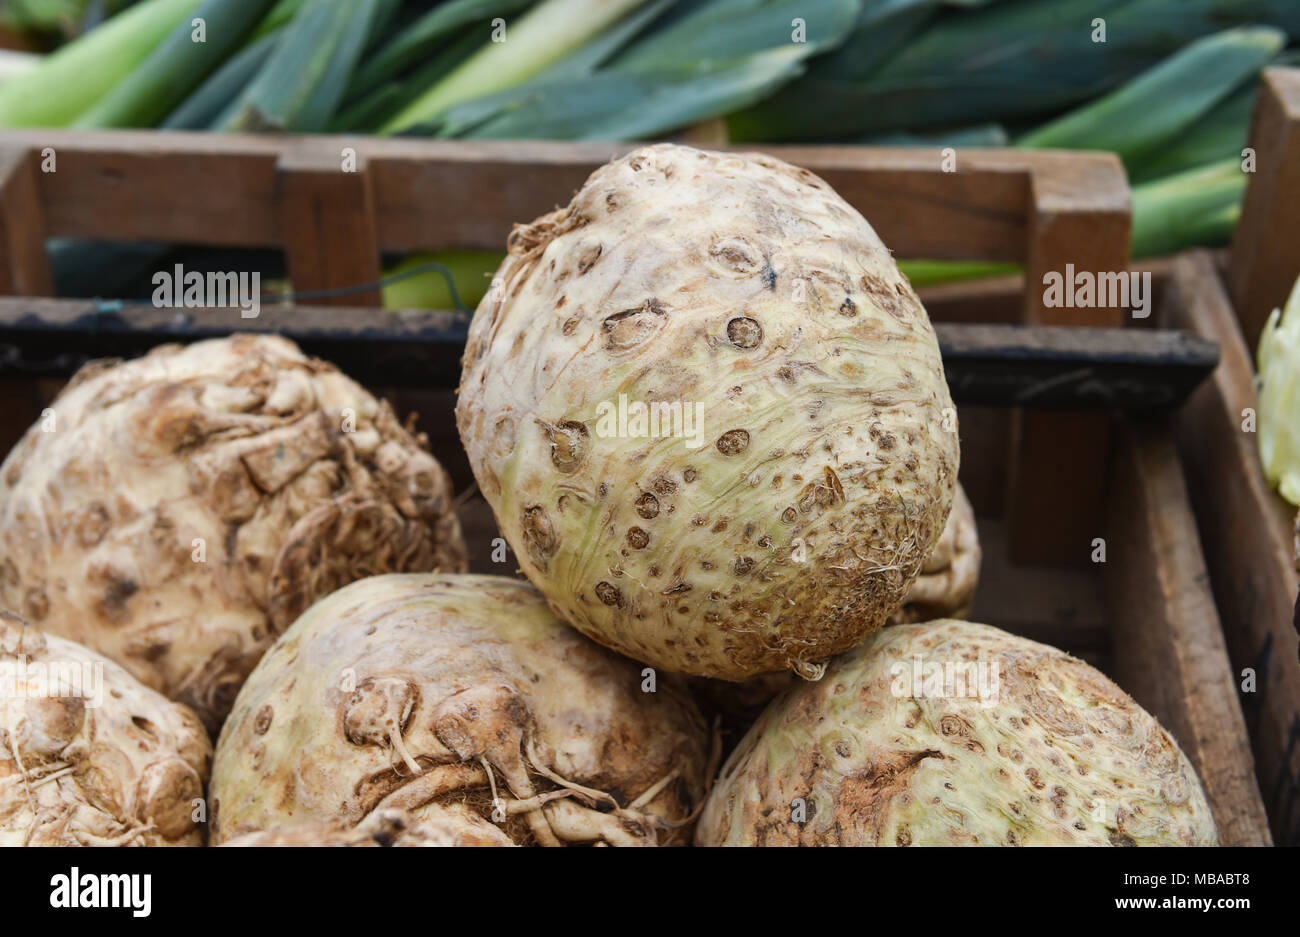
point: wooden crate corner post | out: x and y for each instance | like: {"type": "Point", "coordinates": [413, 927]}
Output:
{"type": "Point", "coordinates": [1080, 222]}
{"type": "Point", "coordinates": [1266, 243]}
{"type": "Point", "coordinates": [328, 221]}
{"type": "Point", "coordinates": [24, 266]}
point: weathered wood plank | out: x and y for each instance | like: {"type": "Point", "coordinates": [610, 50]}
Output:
{"type": "Point", "coordinates": [24, 267]}
{"type": "Point", "coordinates": [208, 189]}
{"type": "Point", "coordinates": [1080, 220]}
{"type": "Point", "coordinates": [328, 226]}
{"type": "Point", "coordinates": [1049, 366]}
{"type": "Point", "coordinates": [1246, 531]}
{"type": "Point", "coordinates": [1168, 643]}
{"type": "Point", "coordinates": [1038, 366]}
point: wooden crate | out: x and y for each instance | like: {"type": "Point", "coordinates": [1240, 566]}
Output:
{"type": "Point", "coordinates": [1265, 247]}
{"type": "Point", "coordinates": [1246, 527]}
{"type": "Point", "coordinates": [1145, 616]}
{"type": "Point", "coordinates": [1044, 209]}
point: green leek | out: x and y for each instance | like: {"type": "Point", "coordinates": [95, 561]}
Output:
{"type": "Point", "coordinates": [1166, 100]}
{"type": "Point", "coordinates": [546, 34]}
{"type": "Point", "coordinates": [202, 108]}
{"type": "Point", "coordinates": [1182, 210]}
{"type": "Point", "coordinates": [71, 80]}
{"type": "Point", "coordinates": [177, 66]}
{"type": "Point", "coordinates": [303, 82]}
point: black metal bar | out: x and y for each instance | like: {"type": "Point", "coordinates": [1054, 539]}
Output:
{"type": "Point", "coordinates": [1074, 368]}
{"type": "Point", "coordinates": [1001, 365]}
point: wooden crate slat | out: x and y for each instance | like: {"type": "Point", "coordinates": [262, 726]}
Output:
{"type": "Point", "coordinates": [1043, 208]}
{"type": "Point", "coordinates": [328, 224]}
{"type": "Point", "coordinates": [1083, 227]}
{"type": "Point", "coordinates": [1266, 243]}
{"type": "Point", "coordinates": [1033, 366]}
{"type": "Point", "coordinates": [1081, 218]}
{"type": "Point", "coordinates": [24, 266]}
{"type": "Point", "coordinates": [220, 189]}
{"type": "Point", "coordinates": [189, 188]}
{"type": "Point", "coordinates": [478, 190]}
{"type": "Point", "coordinates": [472, 197]}
{"type": "Point", "coordinates": [1246, 533]}
{"type": "Point", "coordinates": [1053, 451]}
{"type": "Point", "coordinates": [1167, 641]}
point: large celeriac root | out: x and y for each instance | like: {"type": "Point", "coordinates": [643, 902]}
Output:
{"type": "Point", "coordinates": [415, 693]}
{"type": "Point", "coordinates": [950, 575]}
{"type": "Point", "coordinates": [954, 733]}
{"type": "Point", "coordinates": [710, 415]}
{"type": "Point", "coordinates": [178, 511]}
{"type": "Point", "coordinates": [89, 756]}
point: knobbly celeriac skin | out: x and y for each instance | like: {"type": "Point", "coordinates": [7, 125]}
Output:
{"type": "Point", "coordinates": [451, 826]}
{"type": "Point", "coordinates": [1052, 754]}
{"type": "Point", "coordinates": [431, 693]}
{"type": "Point", "coordinates": [828, 450]}
{"type": "Point", "coordinates": [945, 589]}
{"type": "Point", "coordinates": [950, 574]}
{"type": "Point", "coordinates": [178, 511]}
{"type": "Point", "coordinates": [102, 762]}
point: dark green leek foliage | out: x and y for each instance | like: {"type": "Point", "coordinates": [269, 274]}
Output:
{"type": "Point", "coordinates": [670, 66]}
{"type": "Point", "coordinates": [211, 99]}
{"type": "Point", "coordinates": [1015, 61]}
{"type": "Point", "coordinates": [425, 37]}
{"type": "Point", "coordinates": [1148, 112]}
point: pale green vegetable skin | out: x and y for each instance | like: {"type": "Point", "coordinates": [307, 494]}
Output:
{"type": "Point", "coordinates": [541, 38]}
{"type": "Point", "coordinates": [428, 693]}
{"type": "Point", "coordinates": [825, 468]}
{"type": "Point", "coordinates": [67, 82]}
{"type": "Point", "coordinates": [1279, 398]}
{"type": "Point", "coordinates": [1055, 754]}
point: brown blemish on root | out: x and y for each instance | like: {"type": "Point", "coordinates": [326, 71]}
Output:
{"type": "Point", "coordinates": [744, 332]}
{"type": "Point", "coordinates": [539, 535]}
{"type": "Point", "coordinates": [647, 505]}
{"type": "Point", "coordinates": [587, 259]}
{"type": "Point", "coordinates": [570, 442]}
{"type": "Point", "coordinates": [630, 328]}
{"type": "Point", "coordinates": [733, 442]}
{"type": "Point", "coordinates": [609, 594]}
{"type": "Point", "coordinates": [736, 256]}
{"type": "Point", "coordinates": [864, 800]}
